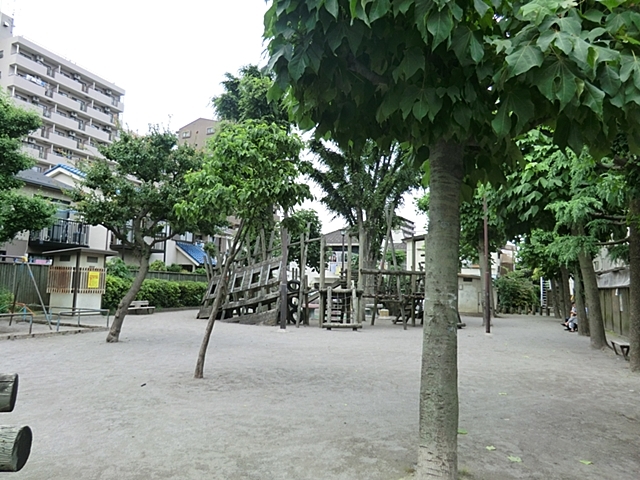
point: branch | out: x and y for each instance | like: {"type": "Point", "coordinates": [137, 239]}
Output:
{"type": "Point", "coordinates": [355, 66]}
{"type": "Point", "coordinates": [613, 218]}
{"type": "Point", "coordinates": [613, 242]}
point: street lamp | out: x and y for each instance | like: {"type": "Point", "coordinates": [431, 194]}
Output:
{"type": "Point", "coordinates": [342, 232]}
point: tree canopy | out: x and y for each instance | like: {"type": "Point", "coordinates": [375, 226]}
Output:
{"type": "Point", "coordinates": [18, 211]}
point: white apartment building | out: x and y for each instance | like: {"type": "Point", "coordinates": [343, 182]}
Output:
{"type": "Point", "coordinates": [80, 110]}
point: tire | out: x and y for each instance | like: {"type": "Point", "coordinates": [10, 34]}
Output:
{"type": "Point", "coordinates": [293, 285]}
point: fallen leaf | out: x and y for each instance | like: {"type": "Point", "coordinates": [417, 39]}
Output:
{"type": "Point", "coordinates": [514, 459]}
{"type": "Point", "coordinates": [501, 393]}
{"type": "Point", "coordinates": [462, 431]}
{"type": "Point", "coordinates": [491, 448]}
{"type": "Point", "coordinates": [586, 462]}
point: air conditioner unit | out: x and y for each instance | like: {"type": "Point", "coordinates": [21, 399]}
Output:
{"type": "Point", "coordinates": [35, 99]}
{"type": "Point", "coordinates": [31, 140]}
{"type": "Point", "coordinates": [107, 92]}
{"type": "Point", "coordinates": [76, 76]}
{"type": "Point", "coordinates": [107, 110]}
{"type": "Point", "coordinates": [107, 129]}
{"type": "Point", "coordinates": [39, 58]}
{"type": "Point", "coordinates": [71, 134]}
{"type": "Point", "coordinates": [73, 114]}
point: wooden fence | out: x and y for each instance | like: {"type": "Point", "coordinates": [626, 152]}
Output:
{"type": "Point", "coordinates": [615, 309]}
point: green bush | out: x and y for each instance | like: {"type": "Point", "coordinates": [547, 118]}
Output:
{"type": "Point", "coordinates": [174, 267]}
{"type": "Point", "coordinates": [516, 290]}
{"type": "Point", "coordinates": [116, 288]}
{"type": "Point", "coordinates": [118, 268]}
{"type": "Point", "coordinates": [157, 266]}
{"type": "Point", "coordinates": [200, 271]}
{"type": "Point", "coordinates": [159, 293]}
{"type": "Point", "coordinates": [6, 300]}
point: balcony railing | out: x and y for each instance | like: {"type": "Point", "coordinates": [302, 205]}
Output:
{"type": "Point", "coordinates": [66, 232]}
{"type": "Point", "coordinates": [116, 243]}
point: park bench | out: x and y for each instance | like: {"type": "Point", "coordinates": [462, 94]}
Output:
{"type": "Point", "coordinates": [624, 348]}
{"type": "Point", "coordinates": [138, 307]}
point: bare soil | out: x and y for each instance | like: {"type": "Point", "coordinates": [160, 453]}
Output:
{"type": "Point", "coordinates": [313, 404]}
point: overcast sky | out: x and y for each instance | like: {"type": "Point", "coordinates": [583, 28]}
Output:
{"type": "Point", "coordinates": [170, 56]}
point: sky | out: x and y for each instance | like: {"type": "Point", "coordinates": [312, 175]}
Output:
{"type": "Point", "coordinates": [169, 56]}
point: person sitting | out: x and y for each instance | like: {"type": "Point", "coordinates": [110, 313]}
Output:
{"type": "Point", "coordinates": [572, 322]}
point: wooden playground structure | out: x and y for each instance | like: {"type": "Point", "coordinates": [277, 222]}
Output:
{"type": "Point", "coordinates": [257, 287]}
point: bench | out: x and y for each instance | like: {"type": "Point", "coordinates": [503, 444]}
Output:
{"type": "Point", "coordinates": [138, 307]}
{"type": "Point", "coordinates": [624, 348]}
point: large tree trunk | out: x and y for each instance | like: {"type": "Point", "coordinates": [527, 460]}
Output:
{"type": "Point", "coordinates": [555, 295]}
{"type": "Point", "coordinates": [592, 295]}
{"type": "Point", "coordinates": [583, 320]}
{"type": "Point", "coordinates": [438, 454]}
{"type": "Point", "coordinates": [221, 293]}
{"type": "Point", "coordinates": [123, 306]}
{"type": "Point", "coordinates": [634, 287]}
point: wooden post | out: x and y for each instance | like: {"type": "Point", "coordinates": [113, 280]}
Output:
{"type": "Point", "coordinates": [303, 263]}
{"type": "Point", "coordinates": [15, 442]}
{"type": "Point", "coordinates": [8, 391]}
{"type": "Point", "coordinates": [15, 447]}
{"type": "Point", "coordinates": [284, 306]}
{"type": "Point", "coordinates": [322, 296]}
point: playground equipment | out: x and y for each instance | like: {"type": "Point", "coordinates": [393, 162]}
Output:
{"type": "Point", "coordinates": [15, 442]}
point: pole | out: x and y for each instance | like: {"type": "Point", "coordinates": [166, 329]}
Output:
{"type": "Point", "coordinates": [342, 267]}
{"type": "Point", "coordinates": [283, 277]}
{"type": "Point", "coordinates": [487, 271]}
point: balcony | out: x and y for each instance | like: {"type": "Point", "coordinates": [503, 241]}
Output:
{"type": "Point", "coordinates": [103, 99]}
{"type": "Point", "coordinates": [117, 245]}
{"type": "Point", "coordinates": [63, 141]}
{"type": "Point", "coordinates": [73, 85]}
{"type": "Point", "coordinates": [64, 121]}
{"type": "Point", "coordinates": [100, 116]}
{"type": "Point", "coordinates": [27, 106]}
{"type": "Point", "coordinates": [64, 233]}
{"type": "Point", "coordinates": [28, 64]}
{"type": "Point", "coordinates": [66, 102]}
{"type": "Point", "coordinates": [98, 134]}
{"type": "Point", "coordinates": [29, 86]}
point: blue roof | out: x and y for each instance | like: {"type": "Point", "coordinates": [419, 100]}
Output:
{"type": "Point", "coordinates": [68, 168]}
{"type": "Point", "coordinates": [196, 252]}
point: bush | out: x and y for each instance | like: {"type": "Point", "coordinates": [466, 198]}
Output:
{"type": "Point", "coordinates": [157, 266]}
{"type": "Point", "coordinates": [6, 300]}
{"type": "Point", "coordinates": [160, 293]}
{"type": "Point", "coordinates": [516, 290]}
{"type": "Point", "coordinates": [200, 271]}
{"type": "Point", "coordinates": [174, 267]}
{"type": "Point", "coordinates": [116, 288]}
{"type": "Point", "coordinates": [118, 268]}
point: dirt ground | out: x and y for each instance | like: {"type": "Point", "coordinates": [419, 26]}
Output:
{"type": "Point", "coordinates": [314, 404]}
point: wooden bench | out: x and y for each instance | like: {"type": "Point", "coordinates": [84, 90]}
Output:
{"type": "Point", "coordinates": [138, 307]}
{"type": "Point", "coordinates": [624, 348]}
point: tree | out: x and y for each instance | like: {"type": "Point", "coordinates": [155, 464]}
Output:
{"type": "Point", "coordinates": [456, 80]}
{"type": "Point", "coordinates": [252, 167]}
{"type": "Point", "coordinates": [343, 176]}
{"type": "Point", "coordinates": [298, 223]}
{"type": "Point", "coordinates": [245, 98]}
{"type": "Point", "coordinates": [18, 211]}
{"type": "Point", "coordinates": [132, 193]}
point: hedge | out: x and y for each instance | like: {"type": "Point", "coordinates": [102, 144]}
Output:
{"type": "Point", "coordinates": [160, 293]}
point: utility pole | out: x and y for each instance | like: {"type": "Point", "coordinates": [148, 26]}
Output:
{"type": "Point", "coordinates": [487, 270]}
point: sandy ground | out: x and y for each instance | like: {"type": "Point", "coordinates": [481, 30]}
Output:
{"type": "Point", "coordinates": [313, 404]}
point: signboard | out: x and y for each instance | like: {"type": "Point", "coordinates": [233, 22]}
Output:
{"type": "Point", "coordinates": [93, 280]}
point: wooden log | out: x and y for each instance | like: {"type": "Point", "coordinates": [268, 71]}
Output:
{"type": "Point", "coordinates": [375, 271]}
{"type": "Point", "coordinates": [8, 391]}
{"type": "Point", "coordinates": [15, 446]}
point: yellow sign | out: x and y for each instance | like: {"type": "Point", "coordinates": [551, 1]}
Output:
{"type": "Point", "coordinates": [93, 280]}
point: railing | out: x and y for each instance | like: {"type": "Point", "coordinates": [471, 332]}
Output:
{"type": "Point", "coordinates": [63, 231]}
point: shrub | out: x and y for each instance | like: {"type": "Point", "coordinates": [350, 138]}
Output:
{"type": "Point", "coordinates": [191, 293]}
{"type": "Point", "coordinates": [516, 290]}
{"type": "Point", "coordinates": [118, 268]}
{"type": "Point", "coordinates": [157, 266]}
{"type": "Point", "coordinates": [6, 300]}
{"type": "Point", "coordinates": [116, 288]}
{"type": "Point", "coordinates": [200, 271]}
{"type": "Point", "coordinates": [174, 267]}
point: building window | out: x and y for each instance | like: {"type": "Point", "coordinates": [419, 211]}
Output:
{"type": "Point", "coordinates": [186, 134]}
{"type": "Point", "coordinates": [209, 130]}
{"type": "Point", "coordinates": [92, 259]}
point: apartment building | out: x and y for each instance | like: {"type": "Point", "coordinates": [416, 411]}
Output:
{"type": "Point", "coordinates": [197, 133]}
{"type": "Point", "coordinates": [80, 111]}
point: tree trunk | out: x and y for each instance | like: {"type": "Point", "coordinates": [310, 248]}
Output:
{"type": "Point", "coordinates": [123, 306]}
{"type": "Point", "coordinates": [583, 320]}
{"type": "Point", "coordinates": [438, 454]}
{"type": "Point", "coordinates": [566, 293]}
{"type": "Point", "coordinates": [483, 270]}
{"type": "Point", "coordinates": [634, 287]}
{"type": "Point", "coordinates": [555, 295]}
{"type": "Point", "coordinates": [592, 295]}
{"type": "Point", "coordinates": [221, 292]}
{"type": "Point", "coordinates": [15, 447]}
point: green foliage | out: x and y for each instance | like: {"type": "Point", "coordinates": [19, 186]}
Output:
{"type": "Point", "coordinates": [18, 211]}
{"type": "Point", "coordinates": [157, 266]}
{"type": "Point", "coordinates": [252, 167]}
{"type": "Point", "coordinates": [133, 191]}
{"type": "Point", "coordinates": [115, 289]}
{"type": "Point", "coordinates": [159, 293]}
{"type": "Point", "coordinates": [6, 300]}
{"type": "Point", "coordinates": [174, 267]}
{"type": "Point", "coordinates": [401, 259]}
{"type": "Point", "coordinates": [245, 98]}
{"type": "Point", "coordinates": [297, 224]}
{"type": "Point", "coordinates": [200, 271]}
{"type": "Point", "coordinates": [117, 268]}
{"type": "Point", "coordinates": [516, 290]}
